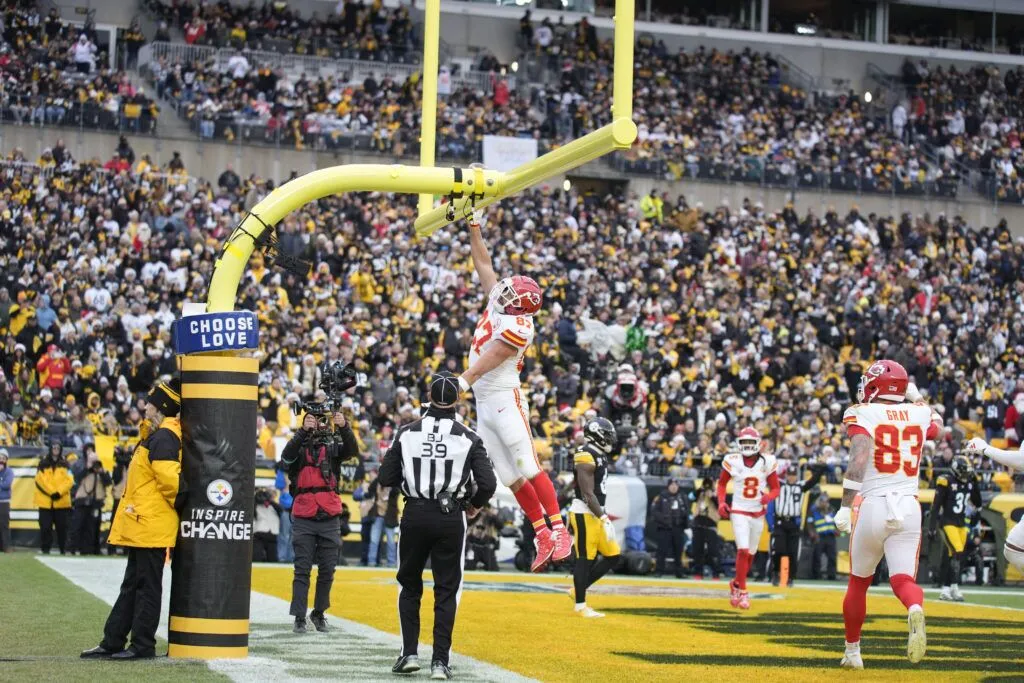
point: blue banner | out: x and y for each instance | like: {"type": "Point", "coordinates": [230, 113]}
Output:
{"type": "Point", "coordinates": [206, 332]}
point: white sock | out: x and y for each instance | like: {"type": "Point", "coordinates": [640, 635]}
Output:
{"type": "Point", "coordinates": [580, 606]}
{"type": "Point", "coordinates": [853, 648]}
{"type": "Point", "coordinates": [955, 587]}
{"type": "Point", "coordinates": [915, 608]}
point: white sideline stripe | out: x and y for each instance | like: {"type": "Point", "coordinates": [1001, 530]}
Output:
{"type": "Point", "coordinates": [100, 577]}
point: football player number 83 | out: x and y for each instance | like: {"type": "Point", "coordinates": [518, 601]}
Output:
{"type": "Point", "coordinates": [888, 451]}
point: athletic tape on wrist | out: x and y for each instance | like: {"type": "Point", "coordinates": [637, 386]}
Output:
{"type": "Point", "coordinates": [852, 485]}
{"type": "Point", "coordinates": [463, 384]}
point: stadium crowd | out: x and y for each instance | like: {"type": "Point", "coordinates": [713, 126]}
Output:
{"type": "Point", "coordinates": [971, 117]}
{"type": "Point", "coordinates": [353, 30]}
{"type": "Point", "coordinates": [52, 73]}
{"type": "Point", "coordinates": [741, 315]}
{"type": "Point", "coordinates": [708, 114]}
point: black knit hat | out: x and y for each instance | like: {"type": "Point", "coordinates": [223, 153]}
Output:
{"type": "Point", "coordinates": [444, 390]}
{"type": "Point", "coordinates": [166, 397]}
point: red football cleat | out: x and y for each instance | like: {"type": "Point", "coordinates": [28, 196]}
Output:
{"type": "Point", "coordinates": [545, 543]}
{"type": "Point", "coordinates": [734, 594]}
{"type": "Point", "coordinates": [563, 545]}
{"type": "Point", "coordinates": [744, 602]}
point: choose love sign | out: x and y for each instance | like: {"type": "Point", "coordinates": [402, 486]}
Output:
{"type": "Point", "coordinates": [206, 332]}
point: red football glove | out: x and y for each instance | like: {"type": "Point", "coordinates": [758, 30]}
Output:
{"type": "Point", "coordinates": [765, 499]}
{"type": "Point", "coordinates": [723, 511]}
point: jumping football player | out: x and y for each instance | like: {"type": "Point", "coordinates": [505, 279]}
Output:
{"type": "Point", "coordinates": [1013, 550]}
{"type": "Point", "coordinates": [753, 472]}
{"type": "Point", "coordinates": [591, 527]}
{"type": "Point", "coordinates": [503, 334]}
{"type": "Point", "coordinates": [887, 434]}
{"type": "Point", "coordinates": [949, 510]}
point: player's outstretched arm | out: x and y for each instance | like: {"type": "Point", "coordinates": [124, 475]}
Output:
{"type": "Point", "coordinates": [494, 355]}
{"type": "Point", "coordinates": [1012, 459]}
{"type": "Point", "coordinates": [481, 257]}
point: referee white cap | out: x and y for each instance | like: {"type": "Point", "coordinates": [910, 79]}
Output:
{"type": "Point", "coordinates": [444, 390]}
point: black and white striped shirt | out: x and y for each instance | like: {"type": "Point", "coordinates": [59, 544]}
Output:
{"type": "Point", "coordinates": [789, 504]}
{"type": "Point", "coordinates": [437, 454]}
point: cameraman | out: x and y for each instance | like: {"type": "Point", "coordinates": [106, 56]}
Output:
{"type": "Point", "coordinates": [627, 400]}
{"type": "Point", "coordinates": [93, 482]}
{"type": "Point", "coordinates": [313, 458]}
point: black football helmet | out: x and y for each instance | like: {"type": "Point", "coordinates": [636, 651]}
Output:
{"type": "Point", "coordinates": [962, 468]}
{"type": "Point", "coordinates": [600, 433]}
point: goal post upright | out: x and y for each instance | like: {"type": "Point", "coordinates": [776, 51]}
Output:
{"type": "Point", "coordinates": [428, 117]}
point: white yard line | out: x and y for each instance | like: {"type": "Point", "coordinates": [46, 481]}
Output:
{"type": "Point", "coordinates": [352, 651]}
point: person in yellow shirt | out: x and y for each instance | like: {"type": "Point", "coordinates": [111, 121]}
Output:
{"type": "Point", "coordinates": [53, 498]}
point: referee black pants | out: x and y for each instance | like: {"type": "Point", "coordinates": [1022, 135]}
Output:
{"type": "Point", "coordinates": [786, 543]}
{"type": "Point", "coordinates": [427, 533]}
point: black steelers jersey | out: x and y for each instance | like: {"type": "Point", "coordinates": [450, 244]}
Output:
{"type": "Point", "coordinates": [589, 456]}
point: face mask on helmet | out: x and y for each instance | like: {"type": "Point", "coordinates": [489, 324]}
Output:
{"type": "Point", "coordinates": [601, 435]}
{"type": "Point", "coordinates": [749, 446]}
{"type": "Point", "coordinates": [516, 296]}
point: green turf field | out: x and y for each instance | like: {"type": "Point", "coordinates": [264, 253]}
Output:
{"type": "Point", "coordinates": [47, 621]}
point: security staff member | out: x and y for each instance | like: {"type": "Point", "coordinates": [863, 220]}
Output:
{"type": "Point", "coordinates": [147, 524]}
{"type": "Point", "coordinates": [670, 510]}
{"type": "Point", "coordinates": [435, 462]}
{"type": "Point", "coordinates": [789, 508]}
{"type": "Point", "coordinates": [952, 494]}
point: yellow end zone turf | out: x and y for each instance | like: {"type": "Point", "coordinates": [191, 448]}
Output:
{"type": "Point", "coordinates": [670, 630]}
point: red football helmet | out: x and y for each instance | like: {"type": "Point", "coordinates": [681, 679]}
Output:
{"type": "Point", "coordinates": [749, 441]}
{"type": "Point", "coordinates": [517, 295]}
{"type": "Point", "coordinates": [886, 380]}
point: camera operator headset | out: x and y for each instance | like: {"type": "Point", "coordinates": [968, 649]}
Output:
{"type": "Point", "coordinates": [435, 461]}
{"type": "Point", "coordinates": [313, 458]}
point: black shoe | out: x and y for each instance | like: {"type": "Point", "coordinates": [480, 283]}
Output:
{"type": "Point", "coordinates": [408, 664]}
{"type": "Point", "coordinates": [789, 584]}
{"type": "Point", "coordinates": [440, 672]}
{"type": "Point", "coordinates": [130, 654]}
{"type": "Point", "coordinates": [319, 622]}
{"type": "Point", "coordinates": [300, 625]}
{"type": "Point", "coordinates": [98, 652]}
{"type": "Point", "coordinates": [775, 580]}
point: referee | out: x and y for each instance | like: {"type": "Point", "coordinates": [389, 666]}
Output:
{"type": "Point", "coordinates": [789, 519]}
{"type": "Point", "coordinates": [435, 462]}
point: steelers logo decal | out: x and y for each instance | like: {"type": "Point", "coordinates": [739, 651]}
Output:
{"type": "Point", "coordinates": [219, 492]}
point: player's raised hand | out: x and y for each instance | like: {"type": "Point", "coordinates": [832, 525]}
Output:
{"type": "Point", "coordinates": [975, 446]}
{"type": "Point", "coordinates": [843, 520]}
{"type": "Point", "coordinates": [477, 219]}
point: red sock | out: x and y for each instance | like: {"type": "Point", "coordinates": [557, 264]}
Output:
{"type": "Point", "coordinates": [742, 567]}
{"type": "Point", "coordinates": [548, 498]}
{"type": "Point", "coordinates": [855, 606]}
{"type": "Point", "coordinates": [907, 590]}
{"type": "Point", "coordinates": [527, 499]}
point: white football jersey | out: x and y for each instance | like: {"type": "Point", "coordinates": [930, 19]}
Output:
{"type": "Point", "coordinates": [749, 483]}
{"type": "Point", "coordinates": [899, 432]}
{"type": "Point", "coordinates": [510, 329]}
